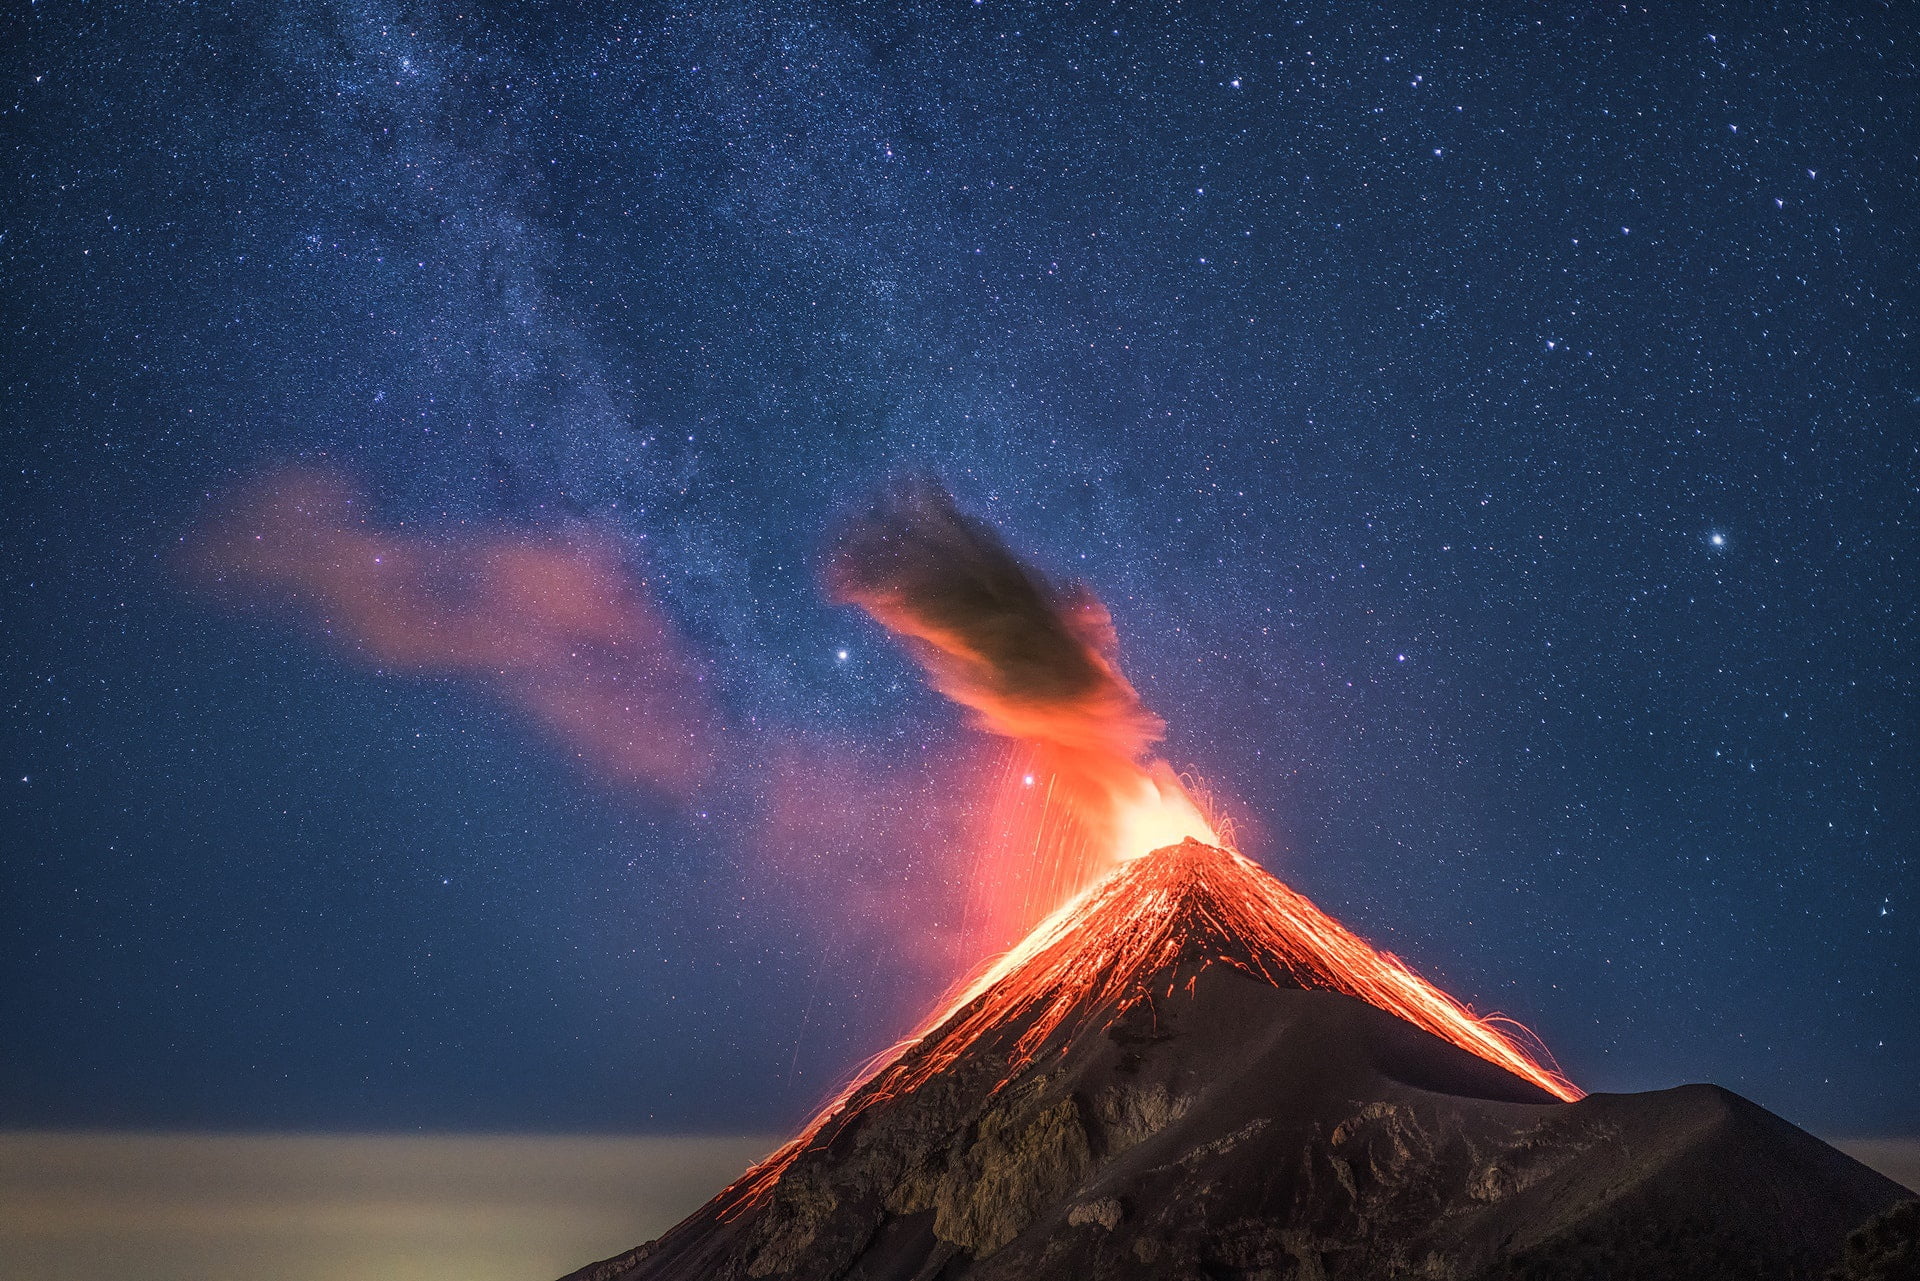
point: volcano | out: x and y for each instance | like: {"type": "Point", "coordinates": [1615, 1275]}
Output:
{"type": "Point", "coordinates": [1192, 1072]}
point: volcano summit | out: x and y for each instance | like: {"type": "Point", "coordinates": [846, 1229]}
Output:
{"type": "Point", "coordinates": [1192, 1072]}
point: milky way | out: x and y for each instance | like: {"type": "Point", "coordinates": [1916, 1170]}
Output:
{"type": "Point", "coordinates": [1492, 436]}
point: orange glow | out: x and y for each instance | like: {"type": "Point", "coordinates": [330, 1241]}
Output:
{"type": "Point", "coordinates": [1158, 814]}
{"type": "Point", "coordinates": [1042, 847]}
{"type": "Point", "coordinates": [1108, 949]}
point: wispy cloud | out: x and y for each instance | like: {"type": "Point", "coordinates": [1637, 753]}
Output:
{"type": "Point", "coordinates": [556, 623]}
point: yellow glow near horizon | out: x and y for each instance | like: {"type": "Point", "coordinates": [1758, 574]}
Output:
{"type": "Point", "coordinates": [208, 1207]}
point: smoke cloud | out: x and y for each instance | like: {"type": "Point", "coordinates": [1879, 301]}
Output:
{"type": "Point", "coordinates": [556, 625]}
{"type": "Point", "coordinates": [1032, 661]}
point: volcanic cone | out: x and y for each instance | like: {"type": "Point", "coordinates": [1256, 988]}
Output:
{"type": "Point", "coordinates": [1192, 1073]}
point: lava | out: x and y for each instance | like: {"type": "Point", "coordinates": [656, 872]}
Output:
{"type": "Point", "coordinates": [1117, 944]}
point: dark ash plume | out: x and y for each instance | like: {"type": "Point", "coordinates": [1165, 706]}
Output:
{"type": "Point", "coordinates": [1032, 661]}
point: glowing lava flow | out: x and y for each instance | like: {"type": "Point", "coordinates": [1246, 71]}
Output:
{"type": "Point", "coordinates": [1125, 940]}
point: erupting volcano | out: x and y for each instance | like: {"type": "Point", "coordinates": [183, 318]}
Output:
{"type": "Point", "coordinates": [1192, 1073]}
{"type": "Point", "coordinates": [1185, 1069]}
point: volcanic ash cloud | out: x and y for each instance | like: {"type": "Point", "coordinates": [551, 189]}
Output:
{"type": "Point", "coordinates": [1032, 661]}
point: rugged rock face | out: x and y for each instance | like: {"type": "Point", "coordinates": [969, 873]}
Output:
{"type": "Point", "coordinates": [1225, 1127]}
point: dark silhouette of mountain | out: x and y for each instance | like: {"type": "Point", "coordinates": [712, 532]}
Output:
{"type": "Point", "coordinates": [1168, 1087]}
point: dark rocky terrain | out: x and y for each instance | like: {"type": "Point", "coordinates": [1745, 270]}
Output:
{"type": "Point", "coordinates": [1224, 1127]}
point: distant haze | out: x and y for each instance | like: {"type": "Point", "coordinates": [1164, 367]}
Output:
{"type": "Point", "coordinates": [1898, 1159]}
{"type": "Point", "coordinates": [191, 1207]}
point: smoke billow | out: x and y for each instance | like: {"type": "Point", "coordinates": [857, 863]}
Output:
{"type": "Point", "coordinates": [1032, 661]}
{"type": "Point", "coordinates": [556, 625]}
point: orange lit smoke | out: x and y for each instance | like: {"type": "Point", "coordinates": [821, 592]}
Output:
{"type": "Point", "coordinates": [554, 624]}
{"type": "Point", "coordinates": [1034, 663]}
{"type": "Point", "coordinates": [870, 844]}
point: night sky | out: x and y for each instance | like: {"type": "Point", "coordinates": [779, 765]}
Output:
{"type": "Point", "coordinates": [1494, 437]}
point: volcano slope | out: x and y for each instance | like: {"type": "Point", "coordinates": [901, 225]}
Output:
{"type": "Point", "coordinates": [1207, 1108]}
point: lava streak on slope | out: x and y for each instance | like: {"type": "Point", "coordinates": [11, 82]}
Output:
{"type": "Point", "coordinates": [1124, 942]}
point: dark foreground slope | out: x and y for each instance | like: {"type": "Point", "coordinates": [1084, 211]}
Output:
{"type": "Point", "coordinates": [1230, 1128]}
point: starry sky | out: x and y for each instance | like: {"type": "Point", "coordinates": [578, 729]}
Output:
{"type": "Point", "coordinates": [1493, 433]}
